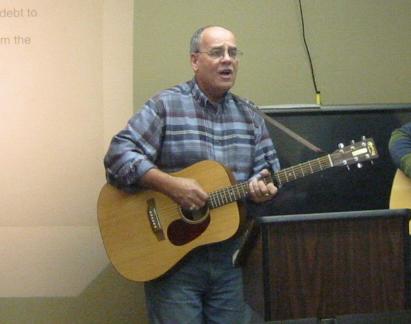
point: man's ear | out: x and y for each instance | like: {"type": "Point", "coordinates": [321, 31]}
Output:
{"type": "Point", "coordinates": [194, 61]}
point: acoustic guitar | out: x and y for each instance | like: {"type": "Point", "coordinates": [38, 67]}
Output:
{"type": "Point", "coordinates": [400, 196]}
{"type": "Point", "coordinates": [146, 234]}
{"type": "Point", "coordinates": [400, 191]}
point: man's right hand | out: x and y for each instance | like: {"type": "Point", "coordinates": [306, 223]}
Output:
{"type": "Point", "coordinates": [185, 192]}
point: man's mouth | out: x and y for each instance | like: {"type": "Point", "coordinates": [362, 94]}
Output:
{"type": "Point", "coordinates": [225, 72]}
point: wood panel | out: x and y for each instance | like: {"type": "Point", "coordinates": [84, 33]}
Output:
{"type": "Point", "coordinates": [327, 268]}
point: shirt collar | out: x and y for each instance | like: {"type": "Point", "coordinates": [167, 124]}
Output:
{"type": "Point", "coordinates": [203, 100]}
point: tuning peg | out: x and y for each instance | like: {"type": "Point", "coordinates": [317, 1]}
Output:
{"type": "Point", "coordinates": [352, 142]}
{"type": "Point", "coordinates": [341, 146]}
{"type": "Point", "coordinates": [348, 167]}
{"type": "Point", "coordinates": [359, 165]}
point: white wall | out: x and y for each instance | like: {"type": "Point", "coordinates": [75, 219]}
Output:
{"type": "Point", "coordinates": [63, 93]}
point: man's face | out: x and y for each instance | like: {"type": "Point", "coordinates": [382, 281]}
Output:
{"type": "Point", "coordinates": [215, 70]}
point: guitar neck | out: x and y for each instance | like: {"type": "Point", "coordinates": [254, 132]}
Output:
{"type": "Point", "coordinates": [301, 170]}
{"type": "Point", "coordinates": [239, 191]}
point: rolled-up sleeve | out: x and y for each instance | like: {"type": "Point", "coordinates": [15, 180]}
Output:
{"type": "Point", "coordinates": [133, 151]}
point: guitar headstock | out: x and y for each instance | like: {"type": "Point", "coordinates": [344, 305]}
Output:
{"type": "Point", "coordinates": [355, 153]}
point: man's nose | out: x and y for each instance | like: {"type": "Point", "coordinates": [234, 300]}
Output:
{"type": "Point", "coordinates": [226, 55]}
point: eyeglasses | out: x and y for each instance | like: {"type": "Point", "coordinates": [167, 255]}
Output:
{"type": "Point", "coordinates": [219, 52]}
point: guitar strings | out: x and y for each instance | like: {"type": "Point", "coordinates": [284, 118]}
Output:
{"type": "Point", "coordinates": [302, 169]}
{"type": "Point", "coordinates": [231, 194]}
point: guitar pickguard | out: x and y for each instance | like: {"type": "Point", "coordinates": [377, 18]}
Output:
{"type": "Point", "coordinates": [180, 232]}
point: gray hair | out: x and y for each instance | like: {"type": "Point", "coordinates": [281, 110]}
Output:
{"type": "Point", "coordinates": [196, 39]}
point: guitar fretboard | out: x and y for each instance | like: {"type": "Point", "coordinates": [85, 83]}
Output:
{"type": "Point", "coordinates": [301, 170]}
{"type": "Point", "coordinates": [239, 191]}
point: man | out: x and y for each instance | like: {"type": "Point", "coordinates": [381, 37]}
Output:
{"type": "Point", "coordinates": [400, 148]}
{"type": "Point", "coordinates": [194, 121]}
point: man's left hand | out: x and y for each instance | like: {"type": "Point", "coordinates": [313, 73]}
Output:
{"type": "Point", "coordinates": [261, 190]}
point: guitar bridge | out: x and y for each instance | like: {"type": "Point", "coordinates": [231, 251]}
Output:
{"type": "Point", "coordinates": [154, 220]}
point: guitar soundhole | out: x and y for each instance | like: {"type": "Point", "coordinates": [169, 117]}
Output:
{"type": "Point", "coordinates": [180, 232]}
{"type": "Point", "coordinates": [195, 216]}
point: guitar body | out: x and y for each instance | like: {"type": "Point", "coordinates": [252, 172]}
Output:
{"type": "Point", "coordinates": [140, 252]}
{"type": "Point", "coordinates": [401, 191]}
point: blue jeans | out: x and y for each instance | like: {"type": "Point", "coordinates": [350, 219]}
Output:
{"type": "Point", "coordinates": [205, 289]}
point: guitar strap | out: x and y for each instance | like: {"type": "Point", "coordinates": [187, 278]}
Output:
{"type": "Point", "coordinates": [288, 131]}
